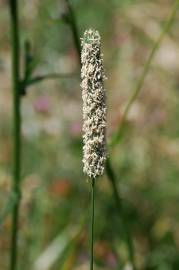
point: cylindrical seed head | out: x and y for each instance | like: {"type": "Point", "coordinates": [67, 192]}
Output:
{"type": "Point", "coordinates": [94, 105]}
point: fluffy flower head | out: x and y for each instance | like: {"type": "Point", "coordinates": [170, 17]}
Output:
{"type": "Point", "coordinates": [94, 105]}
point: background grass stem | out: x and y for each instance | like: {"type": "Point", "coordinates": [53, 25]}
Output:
{"type": "Point", "coordinates": [119, 207]}
{"type": "Point", "coordinates": [74, 28]}
{"type": "Point", "coordinates": [116, 136]}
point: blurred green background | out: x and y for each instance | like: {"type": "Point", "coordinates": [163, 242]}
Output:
{"type": "Point", "coordinates": [54, 219]}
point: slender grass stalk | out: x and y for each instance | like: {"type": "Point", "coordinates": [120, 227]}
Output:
{"type": "Point", "coordinates": [94, 116]}
{"type": "Point", "coordinates": [109, 169]}
{"type": "Point", "coordinates": [92, 223]}
{"type": "Point", "coordinates": [169, 21]}
{"type": "Point", "coordinates": [13, 5]}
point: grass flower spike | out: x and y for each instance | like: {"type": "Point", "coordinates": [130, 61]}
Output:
{"type": "Point", "coordinates": [94, 105]}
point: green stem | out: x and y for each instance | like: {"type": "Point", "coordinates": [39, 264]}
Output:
{"type": "Point", "coordinates": [119, 206]}
{"type": "Point", "coordinates": [13, 4]}
{"type": "Point", "coordinates": [74, 29]}
{"type": "Point", "coordinates": [116, 136]}
{"type": "Point", "coordinates": [41, 78]}
{"type": "Point", "coordinates": [92, 223]}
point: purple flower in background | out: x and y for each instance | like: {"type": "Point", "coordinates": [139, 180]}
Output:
{"type": "Point", "coordinates": [42, 104]}
{"type": "Point", "coordinates": [111, 260]}
{"type": "Point", "coordinates": [75, 129]}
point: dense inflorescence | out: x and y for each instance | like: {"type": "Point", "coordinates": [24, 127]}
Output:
{"type": "Point", "coordinates": [94, 105]}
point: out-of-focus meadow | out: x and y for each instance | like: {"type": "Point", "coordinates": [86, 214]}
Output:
{"type": "Point", "coordinates": [54, 219]}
